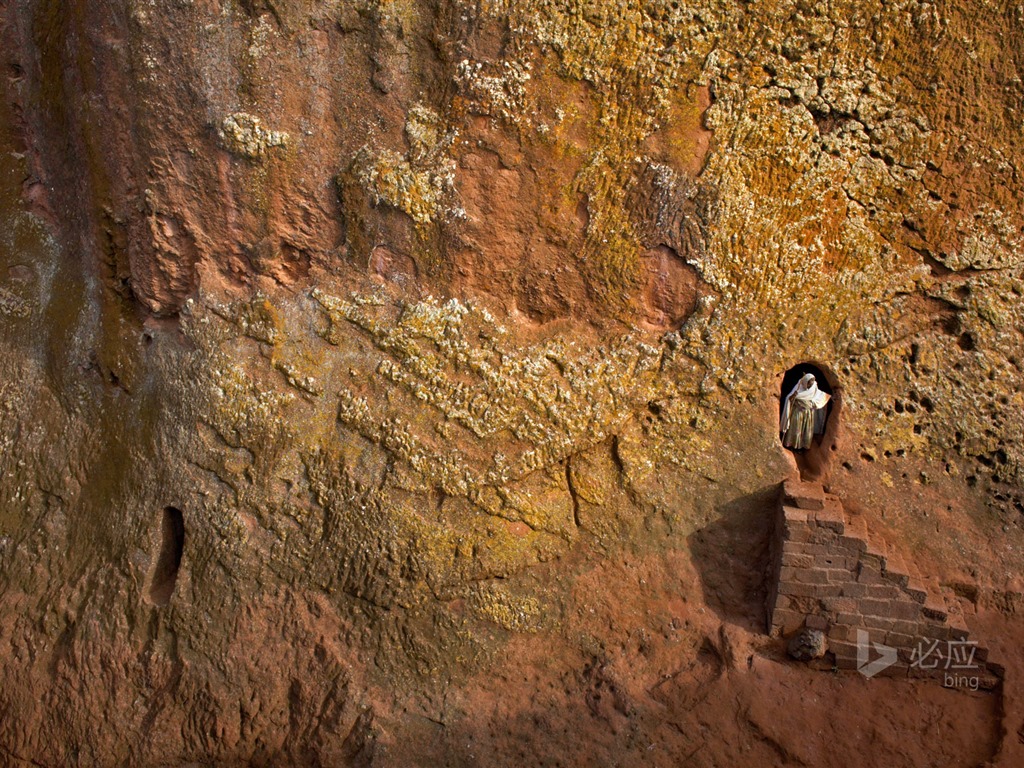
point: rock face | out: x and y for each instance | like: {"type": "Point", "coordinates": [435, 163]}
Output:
{"type": "Point", "coordinates": [391, 382]}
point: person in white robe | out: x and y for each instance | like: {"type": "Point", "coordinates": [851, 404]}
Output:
{"type": "Point", "coordinates": [803, 413]}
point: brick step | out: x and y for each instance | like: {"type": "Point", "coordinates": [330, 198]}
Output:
{"type": "Point", "coordinates": [935, 600]}
{"type": "Point", "coordinates": [875, 554]}
{"type": "Point", "coordinates": [890, 563]}
{"type": "Point", "coordinates": [831, 516]}
{"type": "Point", "coordinates": [935, 606]}
{"type": "Point", "coordinates": [958, 627]}
{"type": "Point", "coordinates": [857, 528]}
{"type": "Point", "coordinates": [916, 589]}
{"type": "Point", "coordinates": [810, 496]}
{"type": "Point", "coordinates": [900, 573]}
{"type": "Point", "coordinates": [836, 575]}
{"type": "Point", "coordinates": [912, 570]}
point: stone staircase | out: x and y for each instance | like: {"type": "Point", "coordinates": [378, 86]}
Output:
{"type": "Point", "coordinates": [829, 573]}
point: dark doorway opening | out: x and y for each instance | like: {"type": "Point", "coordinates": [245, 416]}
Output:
{"type": "Point", "coordinates": [813, 461]}
{"type": "Point", "coordinates": [164, 575]}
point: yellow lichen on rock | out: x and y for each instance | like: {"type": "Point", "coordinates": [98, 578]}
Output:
{"type": "Point", "coordinates": [422, 184]}
{"type": "Point", "coordinates": [245, 135]}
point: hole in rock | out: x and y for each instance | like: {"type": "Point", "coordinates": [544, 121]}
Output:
{"type": "Point", "coordinates": [164, 575]}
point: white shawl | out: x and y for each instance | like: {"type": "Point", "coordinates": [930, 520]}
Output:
{"type": "Point", "coordinates": [806, 390]}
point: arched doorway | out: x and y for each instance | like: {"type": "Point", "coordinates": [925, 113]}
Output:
{"type": "Point", "coordinates": [813, 461]}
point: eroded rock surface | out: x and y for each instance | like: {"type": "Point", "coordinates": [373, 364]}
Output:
{"type": "Point", "coordinates": [454, 333]}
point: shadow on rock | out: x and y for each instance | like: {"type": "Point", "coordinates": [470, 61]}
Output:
{"type": "Point", "coordinates": [731, 556]}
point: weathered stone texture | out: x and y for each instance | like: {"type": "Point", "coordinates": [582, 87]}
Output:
{"type": "Point", "coordinates": [455, 332]}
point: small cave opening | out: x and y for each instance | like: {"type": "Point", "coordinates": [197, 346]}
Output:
{"type": "Point", "coordinates": [164, 574]}
{"type": "Point", "coordinates": [814, 458]}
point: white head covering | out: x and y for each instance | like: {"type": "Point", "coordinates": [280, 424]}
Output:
{"type": "Point", "coordinates": [806, 390]}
